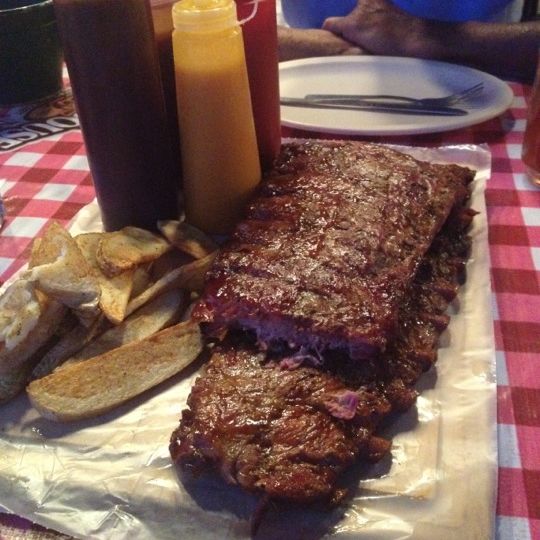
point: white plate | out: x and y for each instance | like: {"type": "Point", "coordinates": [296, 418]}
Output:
{"type": "Point", "coordinates": [385, 75]}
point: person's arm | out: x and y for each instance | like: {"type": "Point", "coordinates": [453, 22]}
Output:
{"type": "Point", "coordinates": [505, 49]}
{"type": "Point", "coordinates": [302, 43]}
{"type": "Point", "coordinates": [509, 50]}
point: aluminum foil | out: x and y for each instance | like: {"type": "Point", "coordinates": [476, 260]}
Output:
{"type": "Point", "coordinates": [111, 477]}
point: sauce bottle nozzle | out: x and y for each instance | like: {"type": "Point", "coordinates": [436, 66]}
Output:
{"type": "Point", "coordinates": [204, 15]}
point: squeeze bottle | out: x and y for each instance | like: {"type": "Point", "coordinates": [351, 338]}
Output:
{"type": "Point", "coordinates": [220, 160]}
{"type": "Point", "coordinates": [112, 62]}
{"type": "Point", "coordinates": [259, 27]}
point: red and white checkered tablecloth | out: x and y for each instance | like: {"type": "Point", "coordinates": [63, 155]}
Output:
{"type": "Point", "coordinates": [49, 179]}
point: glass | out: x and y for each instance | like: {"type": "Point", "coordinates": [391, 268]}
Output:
{"type": "Point", "coordinates": [531, 139]}
{"type": "Point", "coordinates": [30, 51]}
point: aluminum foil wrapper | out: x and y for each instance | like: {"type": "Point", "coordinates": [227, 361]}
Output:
{"type": "Point", "coordinates": [112, 477]}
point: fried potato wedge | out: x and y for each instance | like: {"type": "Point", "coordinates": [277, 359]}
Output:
{"type": "Point", "coordinates": [167, 263]}
{"type": "Point", "coordinates": [187, 238]}
{"type": "Point", "coordinates": [141, 280]}
{"type": "Point", "coordinates": [21, 307]}
{"type": "Point", "coordinates": [189, 277]}
{"type": "Point", "coordinates": [87, 389]}
{"type": "Point", "coordinates": [68, 345]}
{"type": "Point", "coordinates": [116, 290]}
{"type": "Point", "coordinates": [154, 316]}
{"type": "Point", "coordinates": [34, 251]}
{"type": "Point", "coordinates": [16, 379]}
{"type": "Point", "coordinates": [125, 249]}
{"type": "Point", "coordinates": [59, 269]}
{"type": "Point", "coordinates": [17, 362]}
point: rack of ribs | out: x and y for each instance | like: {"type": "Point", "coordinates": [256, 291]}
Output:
{"type": "Point", "coordinates": [332, 315]}
{"type": "Point", "coordinates": [329, 247]}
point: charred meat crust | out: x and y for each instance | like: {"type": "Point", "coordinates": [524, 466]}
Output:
{"type": "Point", "coordinates": [329, 246]}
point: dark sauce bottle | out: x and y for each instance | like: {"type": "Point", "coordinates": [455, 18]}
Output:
{"type": "Point", "coordinates": [113, 66]}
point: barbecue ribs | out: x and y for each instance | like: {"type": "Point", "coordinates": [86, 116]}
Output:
{"type": "Point", "coordinates": [330, 245]}
{"type": "Point", "coordinates": [286, 420]}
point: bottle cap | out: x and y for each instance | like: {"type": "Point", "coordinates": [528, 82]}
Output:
{"type": "Point", "coordinates": [204, 15]}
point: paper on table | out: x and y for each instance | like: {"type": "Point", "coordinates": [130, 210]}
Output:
{"type": "Point", "coordinates": [111, 477]}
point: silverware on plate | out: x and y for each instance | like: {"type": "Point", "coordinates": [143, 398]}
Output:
{"type": "Point", "coordinates": [373, 106]}
{"type": "Point", "coordinates": [462, 97]}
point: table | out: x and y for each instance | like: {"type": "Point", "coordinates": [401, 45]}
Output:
{"type": "Point", "coordinates": [48, 178]}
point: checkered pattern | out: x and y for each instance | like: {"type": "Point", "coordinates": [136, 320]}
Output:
{"type": "Point", "coordinates": [46, 180]}
{"type": "Point", "coordinates": [50, 179]}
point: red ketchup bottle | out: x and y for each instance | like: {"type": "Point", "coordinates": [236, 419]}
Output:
{"type": "Point", "coordinates": [113, 66]}
{"type": "Point", "coordinates": [259, 26]}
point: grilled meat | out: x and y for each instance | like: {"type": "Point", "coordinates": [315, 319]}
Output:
{"type": "Point", "coordinates": [271, 429]}
{"type": "Point", "coordinates": [330, 245]}
{"type": "Point", "coordinates": [288, 424]}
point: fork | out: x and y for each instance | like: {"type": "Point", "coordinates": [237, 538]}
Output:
{"type": "Point", "coordinates": [445, 101]}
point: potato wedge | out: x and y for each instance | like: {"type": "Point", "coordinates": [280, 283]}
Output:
{"type": "Point", "coordinates": [116, 290]}
{"type": "Point", "coordinates": [16, 363]}
{"type": "Point", "coordinates": [34, 251]}
{"type": "Point", "coordinates": [13, 382]}
{"type": "Point", "coordinates": [125, 249]}
{"type": "Point", "coordinates": [21, 307]}
{"type": "Point", "coordinates": [90, 388]}
{"type": "Point", "coordinates": [59, 269]}
{"type": "Point", "coordinates": [154, 316]}
{"type": "Point", "coordinates": [189, 277]}
{"type": "Point", "coordinates": [187, 238]}
{"type": "Point", "coordinates": [115, 294]}
{"type": "Point", "coordinates": [68, 345]}
{"type": "Point", "coordinates": [141, 280]}
{"type": "Point", "coordinates": [167, 263]}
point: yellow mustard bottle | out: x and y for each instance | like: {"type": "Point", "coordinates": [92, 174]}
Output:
{"type": "Point", "coordinates": [220, 159]}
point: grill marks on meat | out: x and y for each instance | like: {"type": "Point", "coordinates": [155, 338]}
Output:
{"type": "Point", "coordinates": [285, 432]}
{"type": "Point", "coordinates": [330, 245]}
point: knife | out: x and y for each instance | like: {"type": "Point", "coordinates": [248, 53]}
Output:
{"type": "Point", "coordinates": [366, 105]}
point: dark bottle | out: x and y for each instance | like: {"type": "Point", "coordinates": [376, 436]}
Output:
{"type": "Point", "coordinates": [112, 62]}
{"type": "Point", "coordinates": [163, 29]}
